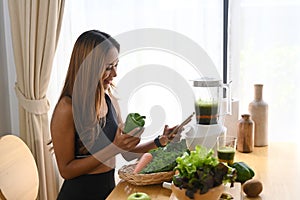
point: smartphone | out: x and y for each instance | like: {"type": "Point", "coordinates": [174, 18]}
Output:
{"type": "Point", "coordinates": [185, 122]}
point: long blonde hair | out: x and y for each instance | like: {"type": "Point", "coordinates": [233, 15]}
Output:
{"type": "Point", "coordinates": [84, 85]}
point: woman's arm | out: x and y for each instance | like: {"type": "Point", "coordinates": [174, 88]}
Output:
{"type": "Point", "coordinates": [164, 139]}
{"type": "Point", "coordinates": [144, 147]}
{"type": "Point", "coordinates": [63, 138]}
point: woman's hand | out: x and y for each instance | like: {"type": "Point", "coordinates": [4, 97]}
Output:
{"type": "Point", "coordinates": [128, 141]}
{"type": "Point", "coordinates": [167, 136]}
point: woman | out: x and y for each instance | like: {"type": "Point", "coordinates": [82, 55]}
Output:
{"type": "Point", "coordinates": [86, 124]}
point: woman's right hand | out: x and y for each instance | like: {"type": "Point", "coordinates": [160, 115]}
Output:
{"type": "Point", "coordinates": [128, 141]}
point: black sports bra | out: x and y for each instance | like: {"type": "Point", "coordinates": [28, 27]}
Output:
{"type": "Point", "coordinates": [106, 135]}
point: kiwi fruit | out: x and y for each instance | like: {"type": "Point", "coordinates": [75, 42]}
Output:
{"type": "Point", "coordinates": [252, 187]}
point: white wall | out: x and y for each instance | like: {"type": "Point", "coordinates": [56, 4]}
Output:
{"type": "Point", "coordinates": [9, 118]}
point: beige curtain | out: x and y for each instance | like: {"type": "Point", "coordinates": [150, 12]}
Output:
{"type": "Point", "coordinates": [35, 28]}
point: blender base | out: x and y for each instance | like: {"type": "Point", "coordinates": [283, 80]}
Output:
{"type": "Point", "coordinates": [204, 135]}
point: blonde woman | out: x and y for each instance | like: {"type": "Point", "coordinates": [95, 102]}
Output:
{"type": "Point", "coordinates": [86, 124]}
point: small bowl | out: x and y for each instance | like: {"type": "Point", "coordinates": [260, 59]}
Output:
{"type": "Point", "coordinates": [212, 194]}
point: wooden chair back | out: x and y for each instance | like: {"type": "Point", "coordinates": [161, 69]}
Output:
{"type": "Point", "coordinates": [18, 170]}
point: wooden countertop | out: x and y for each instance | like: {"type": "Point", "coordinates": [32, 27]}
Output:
{"type": "Point", "coordinates": [124, 189]}
{"type": "Point", "coordinates": [276, 165]}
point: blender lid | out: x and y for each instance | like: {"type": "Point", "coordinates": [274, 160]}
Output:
{"type": "Point", "coordinates": [207, 82]}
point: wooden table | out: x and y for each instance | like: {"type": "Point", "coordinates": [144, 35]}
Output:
{"type": "Point", "coordinates": [277, 166]}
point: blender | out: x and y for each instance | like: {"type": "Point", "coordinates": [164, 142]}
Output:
{"type": "Point", "coordinates": [209, 112]}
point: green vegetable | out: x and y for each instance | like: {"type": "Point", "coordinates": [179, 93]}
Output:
{"type": "Point", "coordinates": [244, 172]}
{"type": "Point", "coordinates": [188, 164]}
{"type": "Point", "coordinates": [200, 170]}
{"type": "Point", "coordinates": [133, 120]}
{"type": "Point", "coordinates": [164, 158]}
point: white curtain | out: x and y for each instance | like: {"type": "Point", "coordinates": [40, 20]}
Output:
{"type": "Point", "coordinates": [265, 48]}
{"type": "Point", "coordinates": [35, 28]}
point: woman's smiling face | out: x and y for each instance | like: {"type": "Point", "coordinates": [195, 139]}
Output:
{"type": "Point", "coordinates": [110, 71]}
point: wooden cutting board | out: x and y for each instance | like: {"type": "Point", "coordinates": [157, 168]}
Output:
{"type": "Point", "coordinates": [235, 191]}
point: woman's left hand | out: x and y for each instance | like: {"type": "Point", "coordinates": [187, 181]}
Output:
{"type": "Point", "coordinates": [169, 136]}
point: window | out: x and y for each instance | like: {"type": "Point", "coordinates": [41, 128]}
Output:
{"type": "Point", "coordinates": [265, 47]}
{"type": "Point", "coordinates": [198, 21]}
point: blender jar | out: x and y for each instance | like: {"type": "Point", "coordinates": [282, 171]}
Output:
{"type": "Point", "coordinates": [208, 100]}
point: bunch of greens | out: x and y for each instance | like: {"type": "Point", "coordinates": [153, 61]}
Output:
{"type": "Point", "coordinates": [199, 170]}
{"type": "Point", "coordinates": [164, 158]}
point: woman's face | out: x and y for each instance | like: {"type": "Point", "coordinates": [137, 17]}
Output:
{"type": "Point", "coordinates": [110, 68]}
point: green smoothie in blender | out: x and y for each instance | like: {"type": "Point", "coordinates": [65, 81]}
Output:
{"type": "Point", "coordinates": [206, 111]}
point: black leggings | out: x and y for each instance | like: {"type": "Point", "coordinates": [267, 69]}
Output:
{"type": "Point", "coordinates": [88, 187]}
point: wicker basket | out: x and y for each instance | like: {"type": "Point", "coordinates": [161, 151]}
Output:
{"type": "Point", "coordinates": [126, 173]}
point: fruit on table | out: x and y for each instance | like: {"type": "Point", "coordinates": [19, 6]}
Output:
{"type": "Point", "coordinates": [252, 188]}
{"type": "Point", "coordinates": [244, 172]}
{"type": "Point", "coordinates": [139, 196]}
{"type": "Point", "coordinates": [134, 120]}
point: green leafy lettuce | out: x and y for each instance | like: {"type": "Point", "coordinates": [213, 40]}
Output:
{"type": "Point", "coordinates": [200, 170]}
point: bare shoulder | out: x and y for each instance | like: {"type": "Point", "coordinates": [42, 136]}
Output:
{"type": "Point", "coordinates": [63, 107]}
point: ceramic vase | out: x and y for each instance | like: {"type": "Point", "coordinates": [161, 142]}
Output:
{"type": "Point", "coordinates": [245, 134]}
{"type": "Point", "coordinates": [258, 110]}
